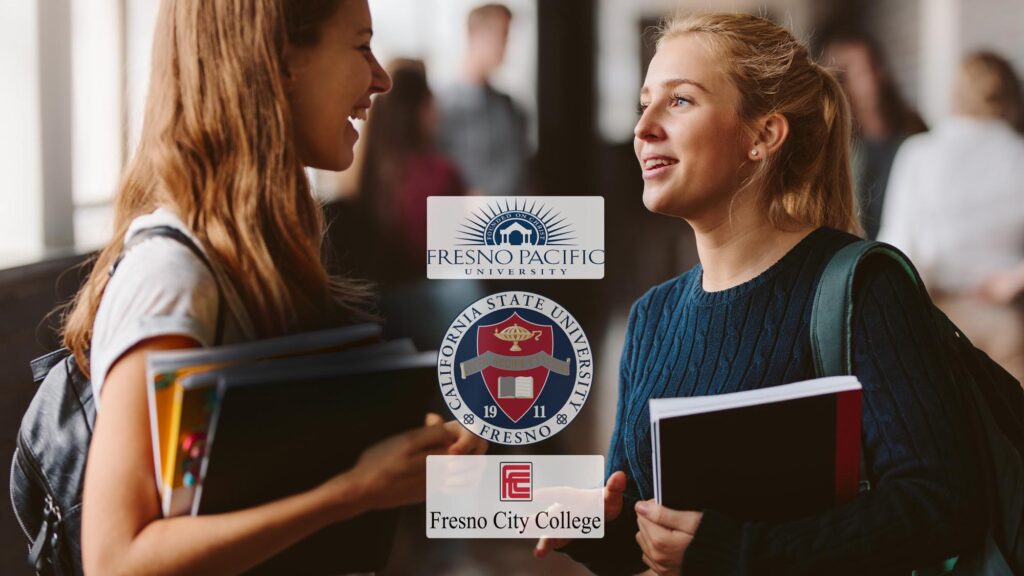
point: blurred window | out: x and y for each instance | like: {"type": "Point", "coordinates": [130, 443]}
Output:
{"type": "Point", "coordinates": [97, 115]}
{"type": "Point", "coordinates": [21, 191]}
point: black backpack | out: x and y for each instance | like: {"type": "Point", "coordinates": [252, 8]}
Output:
{"type": "Point", "coordinates": [992, 398]}
{"type": "Point", "coordinates": [53, 442]}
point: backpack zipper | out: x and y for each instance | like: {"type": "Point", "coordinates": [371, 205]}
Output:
{"type": "Point", "coordinates": [14, 506]}
{"type": "Point", "coordinates": [49, 527]}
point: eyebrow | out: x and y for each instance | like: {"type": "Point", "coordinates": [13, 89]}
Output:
{"type": "Point", "coordinates": [673, 82]}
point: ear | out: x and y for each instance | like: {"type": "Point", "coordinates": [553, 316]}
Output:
{"type": "Point", "coordinates": [771, 133]}
{"type": "Point", "coordinates": [291, 61]}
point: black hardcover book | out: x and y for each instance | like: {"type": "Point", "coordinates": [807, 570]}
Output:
{"type": "Point", "coordinates": [286, 426]}
{"type": "Point", "coordinates": [770, 454]}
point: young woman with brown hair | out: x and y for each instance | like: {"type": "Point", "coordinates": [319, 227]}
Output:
{"type": "Point", "coordinates": [745, 138]}
{"type": "Point", "coordinates": [243, 95]}
{"type": "Point", "coordinates": [882, 118]}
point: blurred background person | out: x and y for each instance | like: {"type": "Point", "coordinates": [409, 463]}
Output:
{"type": "Point", "coordinates": [882, 118]}
{"type": "Point", "coordinates": [402, 167]}
{"type": "Point", "coordinates": [955, 204]}
{"type": "Point", "coordinates": [482, 129]}
{"type": "Point", "coordinates": [387, 218]}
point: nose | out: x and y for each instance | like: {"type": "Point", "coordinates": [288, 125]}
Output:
{"type": "Point", "coordinates": [648, 128]}
{"type": "Point", "coordinates": [381, 81]}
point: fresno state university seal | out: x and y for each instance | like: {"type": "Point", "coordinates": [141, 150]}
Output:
{"type": "Point", "coordinates": [515, 368]}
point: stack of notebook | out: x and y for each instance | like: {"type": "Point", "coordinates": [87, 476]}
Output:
{"type": "Point", "coordinates": [240, 425]}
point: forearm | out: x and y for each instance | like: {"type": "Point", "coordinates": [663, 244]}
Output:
{"type": "Point", "coordinates": [228, 543]}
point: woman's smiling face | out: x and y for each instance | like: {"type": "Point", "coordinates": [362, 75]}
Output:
{"type": "Point", "coordinates": [332, 82]}
{"type": "Point", "coordinates": [689, 139]}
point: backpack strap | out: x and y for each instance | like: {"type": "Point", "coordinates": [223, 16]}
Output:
{"type": "Point", "coordinates": [41, 366]}
{"type": "Point", "coordinates": [832, 313]}
{"type": "Point", "coordinates": [184, 239]}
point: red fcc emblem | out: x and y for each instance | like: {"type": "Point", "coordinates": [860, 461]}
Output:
{"type": "Point", "coordinates": [516, 481]}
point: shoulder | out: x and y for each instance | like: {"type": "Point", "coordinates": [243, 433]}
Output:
{"type": "Point", "coordinates": [158, 266]}
{"type": "Point", "coordinates": [830, 240]}
{"type": "Point", "coordinates": [160, 288]}
{"type": "Point", "coordinates": [888, 303]}
{"type": "Point", "coordinates": [918, 142]}
{"type": "Point", "coordinates": [874, 272]}
{"type": "Point", "coordinates": [924, 147]}
{"type": "Point", "coordinates": [808, 260]}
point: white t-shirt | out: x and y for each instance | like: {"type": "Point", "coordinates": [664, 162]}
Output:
{"type": "Point", "coordinates": [955, 202]}
{"type": "Point", "coordinates": [161, 288]}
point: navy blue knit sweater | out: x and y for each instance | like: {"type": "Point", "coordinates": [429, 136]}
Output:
{"type": "Point", "coordinates": [684, 341]}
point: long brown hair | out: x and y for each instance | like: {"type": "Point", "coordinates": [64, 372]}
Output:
{"type": "Point", "coordinates": [900, 119]}
{"type": "Point", "coordinates": [218, 147]}
{"type": "Point", "coordinates": [808, 181]}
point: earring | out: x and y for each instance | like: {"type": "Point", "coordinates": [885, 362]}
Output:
{"type": "Point", "coordinates": [753, 152]}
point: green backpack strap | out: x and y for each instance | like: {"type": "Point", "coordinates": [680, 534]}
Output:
{"type": "Point", "coordinates": [832, 315]}
{"type": "Point", "coordinates": [832, 327]}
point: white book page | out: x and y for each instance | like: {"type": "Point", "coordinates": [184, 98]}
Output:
{"type": "Point", "coordinates": [670, 407]}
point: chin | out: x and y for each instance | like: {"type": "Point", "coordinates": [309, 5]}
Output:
{"type": "Point", "coordinates": [343, 164]}
{"type": "Point", "coordinates": [658, 201]}
{"type": "Point", "coordinates": [335, 164]}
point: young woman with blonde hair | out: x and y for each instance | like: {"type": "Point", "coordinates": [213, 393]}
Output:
{"type": "Point", "coordinates": [243, 95]}
{"type": "Point", "coordinates": [745, 138]}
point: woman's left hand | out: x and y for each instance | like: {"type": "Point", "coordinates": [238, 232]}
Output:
{"type": "Point", "coordinates": [664, 535]}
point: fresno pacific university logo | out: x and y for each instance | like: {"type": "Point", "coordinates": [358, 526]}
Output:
{"type": "Point", "coordinates": [516, 224]}
{"type": "Point", "coordinates": [515, 368]}
{"type": "Point", "coordinates": [555, 237]}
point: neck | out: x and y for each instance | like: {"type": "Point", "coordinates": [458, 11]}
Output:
{"type": "Point", "coordinates": [474, 74]}
{"type": "Point", "coordinates": [871, 122]}
{"type": "Point", "coordinates": [736, 250]}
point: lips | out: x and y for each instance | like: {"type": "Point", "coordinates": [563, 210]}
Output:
{"type": "Point", "coordinates": [655, 162]}
{"type": "Point", "coordinates": [656, 165]}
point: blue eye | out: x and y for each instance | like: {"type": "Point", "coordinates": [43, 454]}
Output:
{"type": "Point", "coordinates": [680, 100]}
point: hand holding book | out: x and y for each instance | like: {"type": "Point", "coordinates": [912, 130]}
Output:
{"type": "Point", "coordinates": [664, 535]}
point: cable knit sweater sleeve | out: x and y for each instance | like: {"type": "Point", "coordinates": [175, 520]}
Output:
{"type": "Point", "coordinates": [618, 552]}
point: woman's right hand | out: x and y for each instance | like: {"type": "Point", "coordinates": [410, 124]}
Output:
{"type": "Point", "coordinates": [613, 491]}
{"type": "Point", "coordinates": [392, 472]}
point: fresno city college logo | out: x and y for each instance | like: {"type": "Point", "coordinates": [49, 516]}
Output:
{"type": "Point", "coordinates": [516, 481]}
{"type": "Point", "coordinates": [515, 368]}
